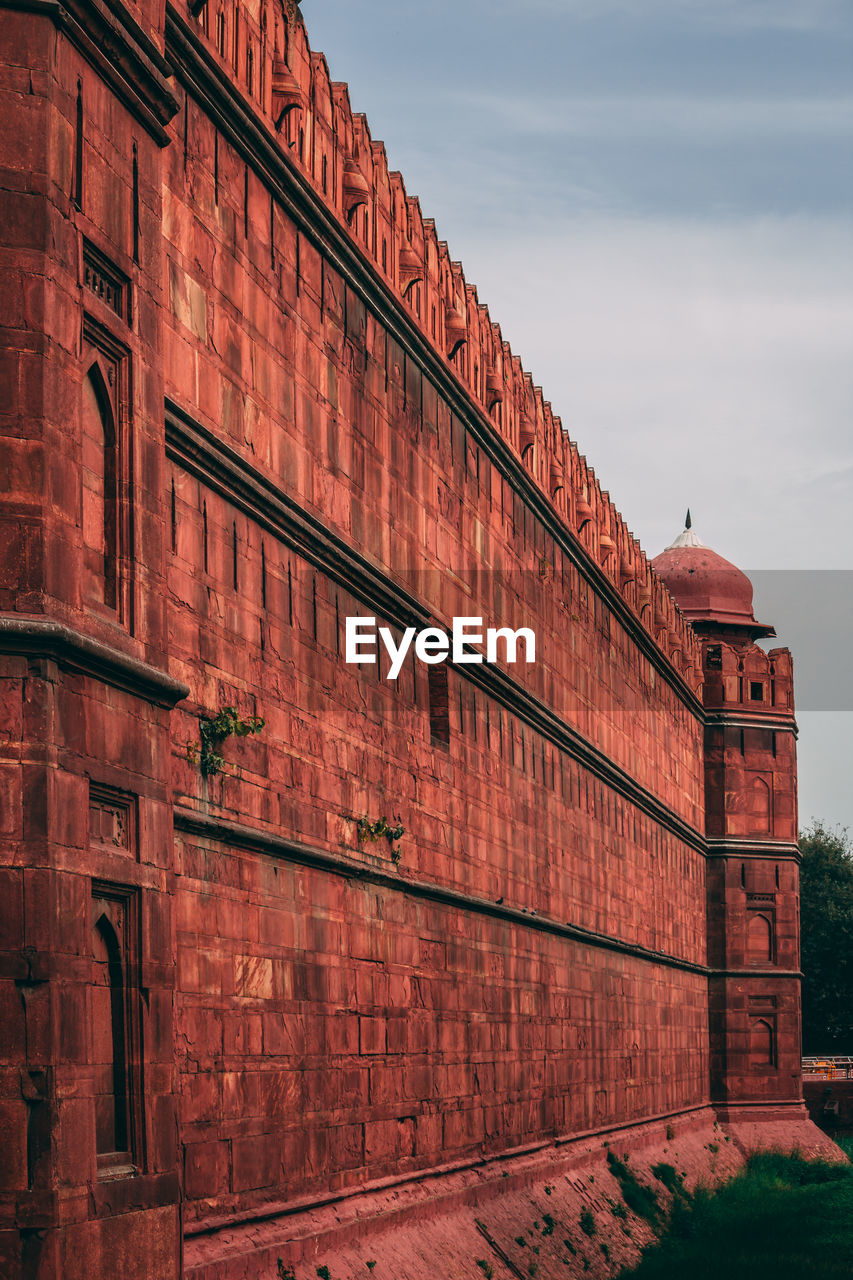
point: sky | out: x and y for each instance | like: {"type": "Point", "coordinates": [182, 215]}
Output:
{"type": "Point", "coordinates": [655, 199]}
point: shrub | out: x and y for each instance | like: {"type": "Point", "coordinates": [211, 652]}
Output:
{"type": "Point", "coordinates": [639, 1198]}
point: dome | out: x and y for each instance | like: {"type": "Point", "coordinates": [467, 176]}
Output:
{"type": "Point", "coordinates": [706, 587]}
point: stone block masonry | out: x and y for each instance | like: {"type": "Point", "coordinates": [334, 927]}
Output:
{"type": "Point", "coordinates": [248, 395]}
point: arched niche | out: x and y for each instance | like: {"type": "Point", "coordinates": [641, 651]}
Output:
{"type": "Point", "coordinates": [759, 938]}
{"type": "Point", "coordinates": [762, 1047]}
{"type": "Point", "coordinates": [109, 1037]}
{"type": "Point", "coordinates": [759, 807]}
{"type": "Point", "coordinates": [99, 514]}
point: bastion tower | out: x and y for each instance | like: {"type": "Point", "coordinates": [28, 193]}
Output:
{"type": "Point", "coordinates": [751, 830]}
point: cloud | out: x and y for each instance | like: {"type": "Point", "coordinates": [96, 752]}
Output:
{"type": "Point", "coordinates": [654, 199]}
{"type": "Point", "coordinates": [671, 116]}
{"type": "Point", "coordinates": [785, 15]}
{"type": "Point", "coordinates": [695, 363]}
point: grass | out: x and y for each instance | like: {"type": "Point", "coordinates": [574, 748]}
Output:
{"type": "Point", "coordinates": [640, 1198]}
{"type": "Point", "coordinates": [782, 1218]}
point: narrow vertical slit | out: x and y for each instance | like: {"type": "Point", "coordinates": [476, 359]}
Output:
{"type": "Point", "coordinates": [299, 265]}
{"type": "Point", "coordinates": [215, 166]}
{"type": "Point", "coordinates": [186, 130]}
{"type": "Point", "coordinates": [135, 204]}
{"type": "Point", "coordinates": [204, 534]}
{"type": "Point", "coordinates": [174, 514]}
{"type": "Point", "coordinates": [337, 626]}
{"type": "Point", "coordinates": [246, 203]}
{"type": "Point", "coordinates": [78, 149]}
{"type": "Point", "coordinates": [272, 239]}
{"type": "Point", "coordinates": [263, 575]}
{"type": "Point", "coordinates": [289, 594]}
{"type": "Point", "coordinates": [439, 714]}
{"type": "Point", "coordinates": [314, 604]}
{"type": "Point", "coordinates": [234, 553]}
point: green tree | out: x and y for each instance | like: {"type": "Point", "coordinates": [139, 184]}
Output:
{"type": "Point", "coordinates": [826, 923]}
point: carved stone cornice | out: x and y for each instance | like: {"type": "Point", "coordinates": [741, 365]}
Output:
{"type": "Point", "coordinates": [737, 718]}
{"type": "Point", "coordinates": [751, 847]}
{"type": "Point", "coordinates": [45, 638]}
{"type": "Point", "coordinates": [126, 59]}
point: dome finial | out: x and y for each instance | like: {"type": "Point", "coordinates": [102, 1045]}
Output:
{"type": "Point", "coordinates": [688, 536]}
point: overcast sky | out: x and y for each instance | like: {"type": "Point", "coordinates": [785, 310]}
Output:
{"type": "Point", "coordinates": [655, 199]}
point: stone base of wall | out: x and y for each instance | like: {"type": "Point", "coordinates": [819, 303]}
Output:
{"type": "Point", "coordinates": [140, 1245]}
{"type": "Point", "coordinates": [556, 1210]}
{"type": "Point", "coordinates": [776, 1126]}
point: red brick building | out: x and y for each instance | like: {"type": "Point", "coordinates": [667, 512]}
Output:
{"type": "Point", "coordinates": [247, 395]}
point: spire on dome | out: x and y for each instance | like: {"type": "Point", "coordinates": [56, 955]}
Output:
{"type": "Point", "coordinates": [688, 538]}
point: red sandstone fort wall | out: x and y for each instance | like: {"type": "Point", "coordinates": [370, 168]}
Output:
{"type": "Point", "coordinates": [335, 1027]}
{"type": "Point", "coordinates": [310, 415]}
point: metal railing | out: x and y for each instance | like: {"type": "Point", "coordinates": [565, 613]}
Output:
{"type": "Point", "coordinates": [828, 1068]}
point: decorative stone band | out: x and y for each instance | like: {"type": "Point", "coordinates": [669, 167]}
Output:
{"type": "Point", "coordinates": [237, 835]}
{"type": "Point", "coordinates": [751, 847]}
{"type": "Point", "coordinates": [43, 638]}
{"type": "Point", "coordinates": [203, 455]}
{"type": "Point", "coordinates": [737, 720]}
{"type": "Point", "coordinates": [120, 51]}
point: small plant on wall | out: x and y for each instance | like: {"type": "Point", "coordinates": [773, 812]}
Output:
{"type": "Point", "coordinates": [214, 732]}
{"type": "Point", "coordinates": [381, 829]}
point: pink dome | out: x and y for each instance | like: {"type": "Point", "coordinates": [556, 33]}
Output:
{"type": "Point", "coordinates": [705, 586]}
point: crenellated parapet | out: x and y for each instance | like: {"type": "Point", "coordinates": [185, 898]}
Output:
{"type": "Point", "coordinates": [751, 680]}
{"type": "Point", "coordinates": [265, 50]}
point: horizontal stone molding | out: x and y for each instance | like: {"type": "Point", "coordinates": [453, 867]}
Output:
{"type": "Point", "coordinates": [533, 1160]}
{"type": "Point", "coordinates": [224, 105]}
{"type": "Point", "coordinates": [117, 48]}
{"type": "Point", "coordinates": [238, 835]}
{"type": "Point", "coordinates": [783, 1110]}
{"type": "Point", "coordinates": [225, 471]}
{"type": "Point", "coordinates": [736, 719]}
{"type": "Point", "coordinates": [756, 971]}
{"type": "Point", "coordinates": [45, 638]}
{"type": "Point", "coordinates": [749, 847]}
